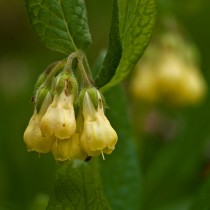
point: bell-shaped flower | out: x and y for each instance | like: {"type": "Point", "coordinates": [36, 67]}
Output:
{"type": "Point", "coordinates": [170, 70]}
{"type": "Point", "coordinates": [33, 136]}
{"type": "Point", "coordinates": [143, 84]}
{"type": "Point", "coordinates": [193, 87]}
{"type": "Point", "coordinates": [98, 136]}
{"type": "Point", "coordinates": [59, 120]}
{"type": "Point", "coordinates": [68, 149]}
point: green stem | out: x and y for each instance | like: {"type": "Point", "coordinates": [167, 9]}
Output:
{"type": "Point", "coordinates": [58, 67]}
{"type": "Point", "coordinates": [86, 79]}
{"type": "Point", "coordinates": [84, 72]}
{"type": "Point", "coordinates": [89, 73]}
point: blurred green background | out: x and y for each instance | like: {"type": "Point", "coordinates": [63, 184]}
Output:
{"type": "Point", "coordinates": [173, 171]}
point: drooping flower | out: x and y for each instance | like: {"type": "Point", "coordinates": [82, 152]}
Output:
{"type": "Point", "coordinates": [33, 137]}
{"type": "Point", "coordinates": [143, 85]}
{"type": "Point", "coordinates": [59, 119]}
{"type": "Point", "coordinates": [68, 149]}
{"type": "Point", "coordinates": [98, 136]}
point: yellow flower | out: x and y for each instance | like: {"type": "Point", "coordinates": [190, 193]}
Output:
{"type": "Point", "coordinates": [68, 149]}
{"type": "Point", "coordinates": [143, 83]}
{"type": "Point", "coordinates": [179, 82]}
{"type": "Point", "coordinates": [170, 71]}
{"type": "Point", "coordinates": [98, 136]}
{"type": "Point", "coordinates": [193, 87]}
{"type": "Point", "coordinates": [32, 136]}
{"type": "Point", "coordinates": [59, 120]}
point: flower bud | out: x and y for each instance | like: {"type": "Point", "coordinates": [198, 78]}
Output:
{"type": "Point", "coordinates": [68, 149]}
{"type": "Point", "coordinates": [98, 136]}
{"type": "Point", "coordinates": [59, 120]}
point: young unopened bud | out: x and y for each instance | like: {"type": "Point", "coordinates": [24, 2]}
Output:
{"type": "Point", "coordinates": [68, 149]}
{"type": "Point", "coordinates": [59, 120]}
{"type": "Point", "coordinates": [98, 136]}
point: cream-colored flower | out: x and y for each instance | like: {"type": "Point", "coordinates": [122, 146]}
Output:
{"type": "Point", "coordinates": [32, 136]}
{"type": "Point", "coordinates": [98, 136]}
{"type": "Point", "coordinates": [68, 149]}
{"type": "Point", "coordinates": [59, 120]}
{"type": "Point", "coordinates": [143, 83]}
{"type": "Point", "coordinates": [169, 76]}
{"type": "Point", "coordinates": [193, 87]}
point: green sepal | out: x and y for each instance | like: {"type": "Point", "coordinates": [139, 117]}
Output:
{"type": "Point", "coordinates": [66, 82]}
{"type": "Point", "coordinates": [41, 93]}
{"type": "Point", "coordinates": [93, 94]}
{"type": "Point", "coordinates": [43, 76]}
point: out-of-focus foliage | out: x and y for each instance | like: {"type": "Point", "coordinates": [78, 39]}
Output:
{"type": "Point", "coordinates": [174, 151]}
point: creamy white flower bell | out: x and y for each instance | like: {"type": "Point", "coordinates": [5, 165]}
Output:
{"type": "Point", "coordinates": [68, 149]}
{"type": "Point", "coordinates": [98, 136]}
{"type": "Point", "coordinates": [33, 136]}
{"type": "Point", "coordinates": [59, 120]}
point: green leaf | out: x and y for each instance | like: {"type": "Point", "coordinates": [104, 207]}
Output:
{"type": "Point", "coordinates": [61, 24]}
{"type": "Point", "coordinates": [114, 52]}
{"type": "Point", "coordinates": [136, 22]}
{"type": "Point", "coordinates": [120, 171]}
{"type": "Point", "coordinates": [77, 186]}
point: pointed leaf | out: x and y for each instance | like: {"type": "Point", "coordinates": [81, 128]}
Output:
{"type": "Point", "coordinates": [120, 171]}
{"type": "Point", "coordinates": [61, 24]}
{"type": "Point", "coordinates": [137, 19]}
{"type": "Point", "coordinates": [114, 51]}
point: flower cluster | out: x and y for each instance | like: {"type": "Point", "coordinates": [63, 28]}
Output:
{"type": "Point", "coordinates": [168, 73]}
{"type": "Point", "coordinates": [68, 124]}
